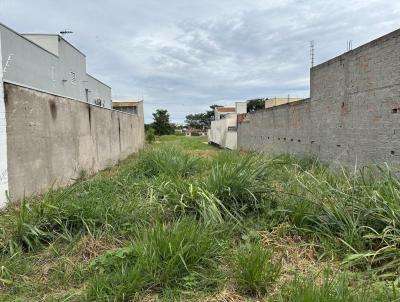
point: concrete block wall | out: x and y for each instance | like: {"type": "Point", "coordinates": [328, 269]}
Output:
{"type": "Point", "coordinates": [52, 139]}
{"type": "Point", "coordinates": [352, 116]}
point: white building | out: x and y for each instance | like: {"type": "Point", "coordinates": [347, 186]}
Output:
{"type": "Point", "coordinates": [223, 131]}
{"type": "Point", "coordinates": [49, 63]}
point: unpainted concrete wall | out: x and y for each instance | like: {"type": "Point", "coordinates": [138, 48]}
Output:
{"type": "Point", "coordinates": [352, 117]}
{"type": "Point", "coordinates": [52, 139]}
{"type": "Point", "coordinates": [3, 141]}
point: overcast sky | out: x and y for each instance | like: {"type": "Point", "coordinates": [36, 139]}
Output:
{"type": "Point", "coordinates": [185, 55]}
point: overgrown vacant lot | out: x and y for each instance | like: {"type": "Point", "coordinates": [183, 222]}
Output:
{"type": "Point", "coordinates": [183, 221]}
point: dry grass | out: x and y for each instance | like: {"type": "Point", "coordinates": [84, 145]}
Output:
{"type": "Point", "coordinates": [89, 247]}
{"type": "Point", "coordinates": [204, 153]}
{"type": "Point", "coordinates": [298, 257]}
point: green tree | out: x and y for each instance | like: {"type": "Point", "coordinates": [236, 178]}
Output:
{"type": "Point", "coordinates": [201, 120]}
{"type": "Point", "coordinates": [256, 104]}
{"type": "Point", "coordinates": [161, 124]}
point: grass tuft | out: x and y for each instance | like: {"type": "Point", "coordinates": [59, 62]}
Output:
{"type": "Point", "coordinates": [183, 255]}
{"type": "Point", "coordinates": [255, 270]}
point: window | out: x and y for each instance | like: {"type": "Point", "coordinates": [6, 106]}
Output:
{"type": "Point", "coordinates": [232, 129]}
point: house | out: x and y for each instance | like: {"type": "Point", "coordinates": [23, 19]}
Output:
{"type": "Point", "coordinates": [195, 132]}
{"type": "Point", "coordinates": [49, 63]}
{"type": "Point", "coordinates": [128, 106]}
{"type": "Point", "coordinates": [223, 131]}
{"type": "Point", "coordinates": [221, 112]}
{"type": "Point", "coordinates": [280, 101]}
{"type": "Point", "coordinates": [56, 120]}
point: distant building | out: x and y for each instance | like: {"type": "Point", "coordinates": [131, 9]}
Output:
{"type": "Point", "coordinates": [129, 106]}
{"type": "Point", "coordinates": [221, 112]}
{"type": "Point", "coordinates": [280, 101]}
{"type": "Point", "coordinates": [195, 132]}
{"type": "Point", "coordinates": [223, 131]}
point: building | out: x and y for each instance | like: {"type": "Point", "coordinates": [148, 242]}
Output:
{"type": "Point", "coordinates": [221, 112]}
{"type": "Point", "coordinates": [223, 131]}
{"type": "Point", "coordinates": [280, 101]}
{"type": "Point", "coordinates": [195, 132]}
{"type": "Point", "coordinates": [56, 121]}
{"type": "Point", "coordinates": [129, 106]}
{"type": "Point", "coordinates": [49, 63]}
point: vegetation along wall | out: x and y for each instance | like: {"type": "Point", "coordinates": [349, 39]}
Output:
{"type": "Point", "coordinates": [52, 140]}
{"type": "Point", "coordinates": [352, 116]}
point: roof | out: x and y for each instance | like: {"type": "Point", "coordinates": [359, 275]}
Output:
{"type": "Point", "coordinates": [226, 109]}
{"type": "Point", "coordinates": [60, 37]}
{"type": "Point", "coordinates": [125, 103]}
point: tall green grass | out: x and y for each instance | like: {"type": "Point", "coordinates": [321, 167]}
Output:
{"type": "Point", "coordinates": [354, 215]}
{"type": "Point", "coordinates": [175, 209]}
{"type": "Point", "coordinates": [89, 207]}
{"type": "Point", "coordinates": [334, 289]}
{"type": "Point", "coordinates": [167, 161]}
{"type": "Point", "coordinates": [255, 270]}
{"type": "Point", "coordinates": [183, 255]}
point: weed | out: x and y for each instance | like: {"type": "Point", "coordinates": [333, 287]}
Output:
{"type": "Point", "coordinates": [167, 161]}
{"type": "Point", "coordinates": [239, 182]}
{"type": "Point", "coordinates": [255, 270]}
{"type": "Point", "coordinates": [332, 289]}
{"type": "Point", "coordinates": [183, 255]}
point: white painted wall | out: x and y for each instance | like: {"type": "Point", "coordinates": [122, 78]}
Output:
{"type": "Point", "coordinates": [219, 134]}
{"type": "Point", "coordinates": [48, 42]}
{"type": "Point", "coordinates": [51, 64]}
{"type": "Point", "coordinates": [241, 107]}
{"type": "Point", "coordinates": [3, 141]}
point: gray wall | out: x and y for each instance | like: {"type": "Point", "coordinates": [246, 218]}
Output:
{"type": "Point", "coordinates": [3, 142]}
{"type": "Point", "coordinates": [51, 139]}
{"type": "Point", "coordinates": [42, 67]}
{"type": "Point", "coordinates": [352, 116]}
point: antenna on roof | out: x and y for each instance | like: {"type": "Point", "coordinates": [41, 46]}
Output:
{"type": "Point", "coordinates": [66, 32]}
{"type": "Point", "coordinates": [312, 54]}
{"type": "Point", "coordinates": [349, 45]}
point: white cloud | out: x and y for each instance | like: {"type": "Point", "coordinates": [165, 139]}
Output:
{"type": "Point", "coordinates": [185, 55]}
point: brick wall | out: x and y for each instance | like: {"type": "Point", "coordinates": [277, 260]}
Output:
{"type": "Point", "coordinates": [351, 117]}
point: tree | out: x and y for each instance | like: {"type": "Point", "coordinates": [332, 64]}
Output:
{"type": "Point", "coordinates": [197, 120]}
{"type": "Point", "coordinates": [161, 124]}
{"type": "Point", "coordinates": [201, 120]}
{"type": "Point", "coordinates": [255, 104]}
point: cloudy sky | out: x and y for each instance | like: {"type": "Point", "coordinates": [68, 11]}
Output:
{"type": "Point", "coordinates": [185, 55]}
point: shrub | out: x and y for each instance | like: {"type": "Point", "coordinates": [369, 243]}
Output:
{"type": "Point", "coordinates": [254, 269]}
{"type": "Point", "coordinates": [172, 162]}
{"type": "Point", "coordinates": [239, 182]}
{"type": "Point", "coordinates": [150, 135]}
